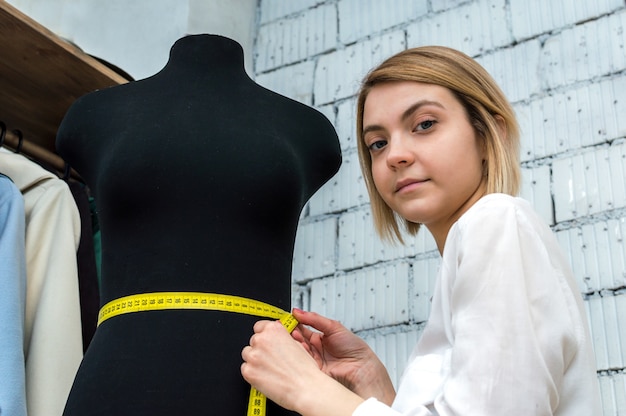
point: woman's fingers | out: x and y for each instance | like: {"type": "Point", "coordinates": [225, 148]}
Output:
{"type": "Point", "coordinates": [260, 325]}
{"type": "Point", "coordinates": [314, 320]}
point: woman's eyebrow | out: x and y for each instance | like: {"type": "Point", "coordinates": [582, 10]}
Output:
{"type": "Point", "coordinates": [416, 106]}
{"type": "Point", "coordinates": [405, 115]}
{"type": "Point", "coordinates": [373, 127]}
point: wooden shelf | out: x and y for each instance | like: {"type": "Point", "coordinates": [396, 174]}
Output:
{"type": "Point", "coordinates": [41, 75]}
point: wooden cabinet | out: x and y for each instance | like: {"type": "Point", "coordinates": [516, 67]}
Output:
{"type": "Point", "coordinates": [40, 77]}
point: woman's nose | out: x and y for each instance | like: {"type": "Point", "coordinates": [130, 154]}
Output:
{"type": "Point", "coordinates": [399, 154]}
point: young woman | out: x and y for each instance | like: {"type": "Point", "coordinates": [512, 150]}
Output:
{"type": "Point", "coordinates": [507, 334]}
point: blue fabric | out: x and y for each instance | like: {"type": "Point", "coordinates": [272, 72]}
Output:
{"type": "Point", "coordinates": [12, 299]}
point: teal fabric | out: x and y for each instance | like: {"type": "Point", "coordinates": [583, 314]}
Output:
{"type": "Point", "coordinates": [97, 246]}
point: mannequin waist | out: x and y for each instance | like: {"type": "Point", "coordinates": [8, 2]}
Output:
{"type": "Point", "coordinates": [146, 302]}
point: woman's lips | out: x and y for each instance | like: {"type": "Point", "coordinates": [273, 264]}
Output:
{"type": "Point", "coordinates": [406, 185]}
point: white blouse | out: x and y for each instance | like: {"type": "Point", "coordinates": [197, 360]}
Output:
{"type": "Point", "coordinates": [507, 333]}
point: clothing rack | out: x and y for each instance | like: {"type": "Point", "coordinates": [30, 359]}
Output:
{"type": "Point", "coordinates": [14, 140]}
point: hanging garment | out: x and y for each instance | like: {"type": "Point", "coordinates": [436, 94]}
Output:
{"type": "Point", "coordinates": [12, 300]}
{"type": "Point", "coordinates": [52, 338]}
{"type": "Point", "coordinates": [87, 268]}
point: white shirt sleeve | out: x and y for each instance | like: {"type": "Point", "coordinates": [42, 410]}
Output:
{"type": "Point", "coordinates": [510, 316]}
{"type": "Point", "coordinates": [509, 319]}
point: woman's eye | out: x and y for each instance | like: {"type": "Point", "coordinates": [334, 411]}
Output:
{"type": "Point", "coordinates": [425, 125]}
{"type": "Point", "coordinates": [377, 145]}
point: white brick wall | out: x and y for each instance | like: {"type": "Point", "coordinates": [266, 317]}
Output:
{"type": "Point", "coordinates": [536, 190]}
{"type": "Point", "coordinates": [563, 65]}
{"type": "Point", "coordinates": [435, 29]}
{"type": "Point", "coordinates": [608, 319]}
{"type": "Point", "coordinates": [613, 389]}
{"type": "Point", "coordinates": [339, 73]}
{"type": "Point", "coordinates": [347, 189]}
{"type": "Point", "coordinates": [361, 18]}
{"type": "Point", "coordinates": [299, 88]}
{"type": "Point", "coordinates": [515, 69]}
{"type": "Point", "coordinates": [275, 9]}
{"type": "Point", "coordinates": [315, 245]}
{"type": "Point", "coordinates": [394, 347]}
{"type": "Point", "coordinates": [597, 254]}
{"type": "Point", "coordinates": [293, 39]}
{"type": "Point", "coordinates": [590, 183]}
{"type": "Point", "coordinates": [534, 17]}
{"type": "Point", "coordinates": [565, 121]}
{"type": "Point", "coordinates": [366, 298]}
{"type": "Point", "coordinates": [586, 51]}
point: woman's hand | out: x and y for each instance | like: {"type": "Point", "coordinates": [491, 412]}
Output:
{"type": "Point", "coordinates": [344, 356]}
{"type": "Point", "coordinates": [276, 364]}
{"type": "Point", "coordinates": [279, 367]}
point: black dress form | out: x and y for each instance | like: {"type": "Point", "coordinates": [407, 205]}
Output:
{"type": "Point", "coordinates": [199, 176]}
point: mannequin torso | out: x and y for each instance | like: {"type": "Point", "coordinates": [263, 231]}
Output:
{"type": "Point", "coordinates": [199, 176]}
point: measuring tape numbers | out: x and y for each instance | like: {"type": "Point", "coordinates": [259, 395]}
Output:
{"type": "Point", "coordinates": [156, 301]}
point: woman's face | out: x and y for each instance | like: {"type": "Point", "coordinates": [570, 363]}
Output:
{"type": "Point", "coordinates": [426, 159]}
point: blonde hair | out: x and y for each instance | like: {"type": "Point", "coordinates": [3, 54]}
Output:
{"type": "Point", "coordinates": [487, 108]}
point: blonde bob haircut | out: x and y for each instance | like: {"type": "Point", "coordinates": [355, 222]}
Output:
{"type": "Point", "coordinates": [487, 109]}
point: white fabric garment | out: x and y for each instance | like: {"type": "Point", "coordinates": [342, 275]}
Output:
{"type": "Point", "coordinates": [53, 338]}
{"type": "Point", "coordinates": [507, 333]}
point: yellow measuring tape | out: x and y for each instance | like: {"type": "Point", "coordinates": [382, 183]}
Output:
{"type": "Point", "coordinates": [156, 301]}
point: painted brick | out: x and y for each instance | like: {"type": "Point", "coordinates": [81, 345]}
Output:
{"type": "Point", "coordinates": [346, 124]}
{"type": "Point", "coordinates": [345, 190]}
{"type": "Point", "coordinates": [582, 117]}
{"type": "Point", "coordinates": [314, 251]}
{"type": "Point", "coordinates": [322, 201]}
{"type": "Point", "coordinates": [532, 17]}
{"type": "Point", "coordinates": [453, 28]}
{"type": "Point", "coordinates": [291, 40]}
{"type": "Point", "coordinates": [583, 52]}
{"type": "Point", "coordinates": [589, 183]}
{"type": "Point", "coordinates": [441, 5]}
{"type": "Point", "coordinates": [360, 18]}
{"type": "Point", "coordinates": [275, 9]}
{"type": "Point", "coordinates": [299, 296]}
{"type": "Point", "coordinates": [364, 299]}
{"type": "Point", "coordinates": [613, 391]}
{"type": "Point", "coordinates": [536, 190]}
{"type": "Point", "coordinates": [607, 316]}
{"type": "Point", "coordinates": [394, 350]}
{"type": "Point", "coordinates": [424, 276]}
{"type": "Point", "coordinates": [300, 86]}
{"type": "Point", "coordinates": [597, 254]}
{"type": "Point", "coordinates": [339, 74]}
{"type": "Point", "coordinates": [515, 69]}
{"type": "Point", "coordinates": [359, 244]}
